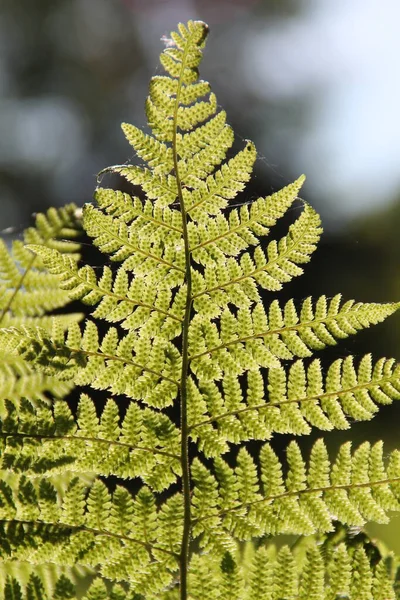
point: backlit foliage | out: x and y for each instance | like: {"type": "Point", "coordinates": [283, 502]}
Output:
{"type": "Point", "coordinates": [191, 354]}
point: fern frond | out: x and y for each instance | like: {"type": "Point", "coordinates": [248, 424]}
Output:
{"type": "Point", "coordinates": [86, 529]}
{"type": "Point", "coordinates": [291, 402]}
{"type": "Point", "coordinates": [234, 359]}
{"type": "Point", "coordinates": [160, 188]}
{"type": "Point", "coordinates": [18, 379]}
{"type": "Point", "coordinates": [181, 64]}
{"type": "Point", "coordinates": [347, 392]}
{"type": "Point", "coordinates": [139, 255]}
{"type": "Point", "coordinates": [355, 489]}
{"type": "Point", "coordinates": [132, 303]}
{"type": "Point", "coordinates": [284, 333]}
{"type": "Point", "coordinates": [212, 195]}
{"type": "Point", "coordinates": [35, 589]}
{"type": "Point", "coordinates": [154, 152]}
{"type": "Point", "coordinates": [26, 289]}
{"type": "Point", "coordinates": [212, 240]}
{"type": "Point", "coordinates": [202, 163]}
{"type": "Point", "coordinates": [145, 218]}
{"type": "Point", "coordinates": [304, 573]}
{"type": "Point", "coordinates": [43, 441]}
{"type": "Point", "coordinates": [237, 282]}
{"type": "Point", "coordinates": [190, 332]}
{"type": "Point", "coordinates": [189, 145]}
{"type": "Point", "coordinates": [131, 365]}
{"type": "Point", "coordinates": [48, 581]}
{"type": "Point", "coordinates": [27, 292]}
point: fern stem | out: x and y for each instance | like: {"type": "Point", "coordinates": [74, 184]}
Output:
{"type": "Point", "coordinates": [184, 556]}
{"type": "Point", "coordinates": [184, 420]}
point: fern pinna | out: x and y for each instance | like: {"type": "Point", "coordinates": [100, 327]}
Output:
{"type": "Point", "coordinates": [184, 327]}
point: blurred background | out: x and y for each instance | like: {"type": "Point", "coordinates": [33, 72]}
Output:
{"type": "Point", "coordinates": [315, 84]}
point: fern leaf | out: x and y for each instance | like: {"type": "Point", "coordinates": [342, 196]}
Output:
{"type": "Point", "coordinates": [307, 499]}
{"type": "Point", "coordinates": [137, 255]}
{"type": "Point", "coordinates": [146, 444]}
{"type": "Point", "coordinates": [86, 533]}
{"type": "Point", "coordinates": [27, 292]}
{"type": "Point", "coordinates": [134, 304]}
{"type": "Point", "coordinates": [293, 401]}
{"type": "Point", "coordinates": [203, 575]}
{"type": "Point", "coordinates": [145, 218]}
{"type": "Point", "coordinates": [203, 163]}
{"type": "Point", "coordinates": [154, 152]}
{"type": "Point", "coordinates": [18, 379]}
{"type": "Point", "coordinates": [131, 365]}
{"type": "Point", "coordinates": [304, 571]}
{"type": "Point", "coordinates": [184, 327]}
{"type": "Point", "coordinates": [283, 333]}
{"type": "Point", "coordinates": [213, 194]}
{"type": "Point", "coordinates": [237, 283]}
{"type": "Point", "coordinates": [25, 288]}
{"type": "Point", "coordinates": [161, 188]}
{"type": "Point", "coordinates": [190, 144]}
{"type": "Point", "coordinates": [232, 579]}
{"type": "Point", "coordinates": [211, 241]}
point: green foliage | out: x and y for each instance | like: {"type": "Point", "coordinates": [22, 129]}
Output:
{"type": "Point", "coordinates": [178, 327]}
{"type": "Point", "coordinates": [27, 292]}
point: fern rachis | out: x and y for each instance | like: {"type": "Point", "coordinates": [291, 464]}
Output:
{"type": "Point", "coordinates": [184, 327]}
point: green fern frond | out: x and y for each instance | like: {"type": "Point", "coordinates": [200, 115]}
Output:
{"type": "Point", "coordinates": [145, 444]}
{"type": "Point", "coordinates": [145, 218]}
{"type": "Point", "coordinates": [43, 587]}
{"type": "Point", "coordinates": [129, 365]}
{"type": "Point", "coordinates": [27, 292]}
{"type": "Point", "coordinates": [19, 580]}
{"type": "Point", "coordinates": [26, 288]}
{"type": "Point", "coordinates": [347, 392]}
{"type": "Point", "coordinates": [203, 163]}
{"type": "Point", "coordinates": [304, 573]}
{"type": "Point", "coordinates": [213, 240]}
{"type": "Point", "coordinates": [354, 489]}
{"type": "Point", "coordinates": [87, 530]}
{"type": "Point", "coordinates": [284, 333]}
{"type": "Point", "coordinates": [154, 152]}
{"type": "Point", "coordinates": [134, 303]}
{"type": "Point", "coordinates": [184, 328]}
{"type": "Point", "coordinates": [289, 401]}
{"type": "Point", "coordinates": [236, 282]}
{"type": "Point", "coordinates": [190, 145]}
{"type": "Point", "coordinates": [18, 379]}
{"type": "Point", "coordinates": [160, 188]}
{"type": "Point", "coordinates": [139, 255]}
{"type": "Point", "coordinates": [35, 590]}
{"type": "Point", "coordinates": [212, 195]}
